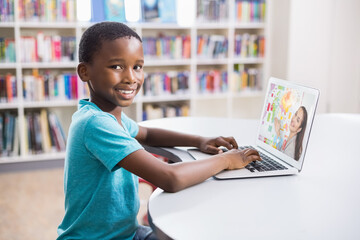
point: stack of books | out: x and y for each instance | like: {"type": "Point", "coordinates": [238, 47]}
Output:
{"type": "Point", "coordinates": [47, 86]}
{"type": "Point", "coordinates": [167, 47]}
{"type": "Point", "coordinates": [8, 89]}
{"type": "Point", "coordinates": [169, 110]}
{"type": "Point", "coordinates": [166, 83]}
{"type": "Point", "coordinates": [47, 11]}
{"type": "Point", "coordinates": [246, 78]}
{"type": "Point", "coordinates": [45, 133]}
{"type": "Point", "coordinates": [7, 11]}
{"type": "Point", "coordinates": [47, 48]}
{"type": "Point", "coordinates": [7, 50]}
{"type": "Point", "coordinates": [249, 45]}
{"type": "Point", "coordinates": [212, 10]}
{"type": "Point", "coordinates": [212, 46]}
{"type": "Point", "coordinates": [9, 135]}
{"type": "Point", "coordinates": [213, 81]}
{"type": "Point", "coordinates": [250, 10]}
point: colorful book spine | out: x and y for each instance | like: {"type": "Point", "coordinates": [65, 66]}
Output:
{"type": "Point", "coordinates": [169, 47]}
{"type": "Point", "coordinates": [250, 10]}
{"type": "Point", "coordinates": [47, 86]}
{"type": "Point", "coordinates": [166, 83]}
{"type": "Point", "coordinates": [165, 110]}
{"type": "Point", "coordinates": [246, 78]}
{"type": "Point", "coordinates": [47, 10]}
{"type": "Point", "coordinates": [212, 10]}
{"type": "Point", "coordinates": [249, 45]}
{"type": "Point", "coordinates": [47, 48]}
{"type": "Point", "coordinates": [8, 89]}
{"type": "Point", "coordinates": [213, 81]}
{"type": "Point", "coordinates": [213, 46]}
{"type": "Point", "coordinates": [7, 50]}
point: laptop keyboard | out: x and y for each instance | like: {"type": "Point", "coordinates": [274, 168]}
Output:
{"type": "Point", "coordinates": [267, 164]}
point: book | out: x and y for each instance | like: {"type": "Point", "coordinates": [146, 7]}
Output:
{"type": "Point", "coordinates": [150, 10]}
{"type": "Point", "coordinates": [45, 133]}
{"type": "Point", "coordinates": [167, 11]}
{"type": "Point", "coordinates": [114, 10]}
{"type": "Point", "coordinates": [97, 11]}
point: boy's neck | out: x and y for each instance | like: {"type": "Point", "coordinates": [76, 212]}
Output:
{"type": "Point", "coordinates": [109, 108]}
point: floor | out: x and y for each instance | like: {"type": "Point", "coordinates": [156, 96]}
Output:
{"type": "Point", "coordinates": [32, 204]}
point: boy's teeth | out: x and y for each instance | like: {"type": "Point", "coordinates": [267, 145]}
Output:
{"type": "Point", "coordinates": [126, 91]}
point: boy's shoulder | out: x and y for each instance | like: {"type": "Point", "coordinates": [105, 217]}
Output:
{"type": "Point", "coordinates": [89, 111]}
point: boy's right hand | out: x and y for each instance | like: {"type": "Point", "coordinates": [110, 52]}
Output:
{"type": "Point", "coordinates": [240, 158]}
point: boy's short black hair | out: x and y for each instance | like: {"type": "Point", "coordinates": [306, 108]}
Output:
{"type": "Point", "coordinates": [93, 37]}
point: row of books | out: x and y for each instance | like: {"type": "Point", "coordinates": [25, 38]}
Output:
{"type": "Point", "coordinates": [213, 46]}
{"type": "Point", "coordinates": [9, 134]}
{"type": "Point", "coordinates": [48, 86]}
{"type": "Point", "coordinates": [8, 89]}
{"type": "Point", "coordinates": [117, 10]}
{"type": "Point", "coordinates": [47, 10]}
{"type": "Point", "coordinates": [212, 10]}
{"type": "Point", "coordinates": [172, 47]}
{"type": "Point", "coordinates": [44, 133]}
{"type": "Point", "coordinates": [246, 78]}
{"type": "Point", "coordinates": [249, 45]}
{"type": "Point", "coordinates": [250, 10]}
{"type": "Point", "coordinates": [7, 11]}
{"type": "Point", "coordinates": [47, 48]}
{"type": "Point", "coordinates": [7, 50]}
{"type": "Point", "coordinates": [213, 81]}
{"type": "Point", "coordinates": [166, 83]}
{"type": "Point", "coordinates": [161, 111]}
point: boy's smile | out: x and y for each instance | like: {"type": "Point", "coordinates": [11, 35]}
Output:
{"type": "Point", "coordinates": [115, 74]}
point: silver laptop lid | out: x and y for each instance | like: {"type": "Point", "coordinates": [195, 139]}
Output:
{"type": "Point", "coordinates": [286, 120]}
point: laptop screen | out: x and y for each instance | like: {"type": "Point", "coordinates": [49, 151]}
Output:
{"type": "Point", "coordinates": [286, 120]}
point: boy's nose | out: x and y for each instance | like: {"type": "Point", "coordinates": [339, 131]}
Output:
{"type": "Point", "coordinates": [129, 76]}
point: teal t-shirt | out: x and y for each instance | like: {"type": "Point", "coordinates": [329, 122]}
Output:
{"type": "Point", "coordinates": [101, 199]}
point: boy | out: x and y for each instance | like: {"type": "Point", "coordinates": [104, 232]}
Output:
{"type": "Point", "coordinates": [104, 155]}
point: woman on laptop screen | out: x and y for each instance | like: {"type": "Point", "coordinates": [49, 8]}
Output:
{"type": "Point", "coordinates": [292, 145]}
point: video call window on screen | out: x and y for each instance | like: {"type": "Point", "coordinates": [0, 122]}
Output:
{"type": "Point", "coordinates": [285, 118]}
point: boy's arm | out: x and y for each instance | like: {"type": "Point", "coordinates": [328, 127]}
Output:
{"type": "Point", "coordinates": [177, 176]}
{"type": "Point", "coordinates": [165, 138]}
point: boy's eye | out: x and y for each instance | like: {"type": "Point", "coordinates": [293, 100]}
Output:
{"type": "Point", "coordinates": [137, 67]}
{"type": "Point", "coordinates": [116, 67]}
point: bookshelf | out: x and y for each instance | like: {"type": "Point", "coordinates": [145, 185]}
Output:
{"type": "Point", "coordinates": [211, 84]}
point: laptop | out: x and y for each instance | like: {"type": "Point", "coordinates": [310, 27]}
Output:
{"type": "Point", "coordinates": [283, 133]}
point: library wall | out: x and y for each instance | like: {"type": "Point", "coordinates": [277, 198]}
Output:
{"type": "Point", "coordinates": [324, 51]}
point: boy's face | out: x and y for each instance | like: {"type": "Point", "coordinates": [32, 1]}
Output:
{"type": "Point", "coordinates": [116, 72]}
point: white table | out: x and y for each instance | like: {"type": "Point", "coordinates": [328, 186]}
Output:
{"type": "Point", "coordinates": [322, 202]}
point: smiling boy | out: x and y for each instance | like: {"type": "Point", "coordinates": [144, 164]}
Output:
{"type": "Point", "coordinates": [104, 152]}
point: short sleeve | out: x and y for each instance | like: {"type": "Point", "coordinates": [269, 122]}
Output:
{"type": "Point", "coordinates": [108, 141]}
{"type": "Point", "coordinates": [131, 125]}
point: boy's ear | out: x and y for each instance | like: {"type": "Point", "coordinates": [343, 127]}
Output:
{"type": "Point", "coordinates": [82, 71]}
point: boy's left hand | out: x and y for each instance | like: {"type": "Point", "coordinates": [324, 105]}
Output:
{"type": "Point", "coordinates": [211, 145]}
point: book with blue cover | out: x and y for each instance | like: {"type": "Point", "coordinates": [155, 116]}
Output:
{"type": "Point", "coordinates": [114, 10]}
{"type": "Point", "coordinates": [167, 11]}
{"type": "Point", "coordinates": [150, 10]}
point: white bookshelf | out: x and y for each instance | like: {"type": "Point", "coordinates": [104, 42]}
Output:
{"type": "Point", "coordinates": [222, 104]}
